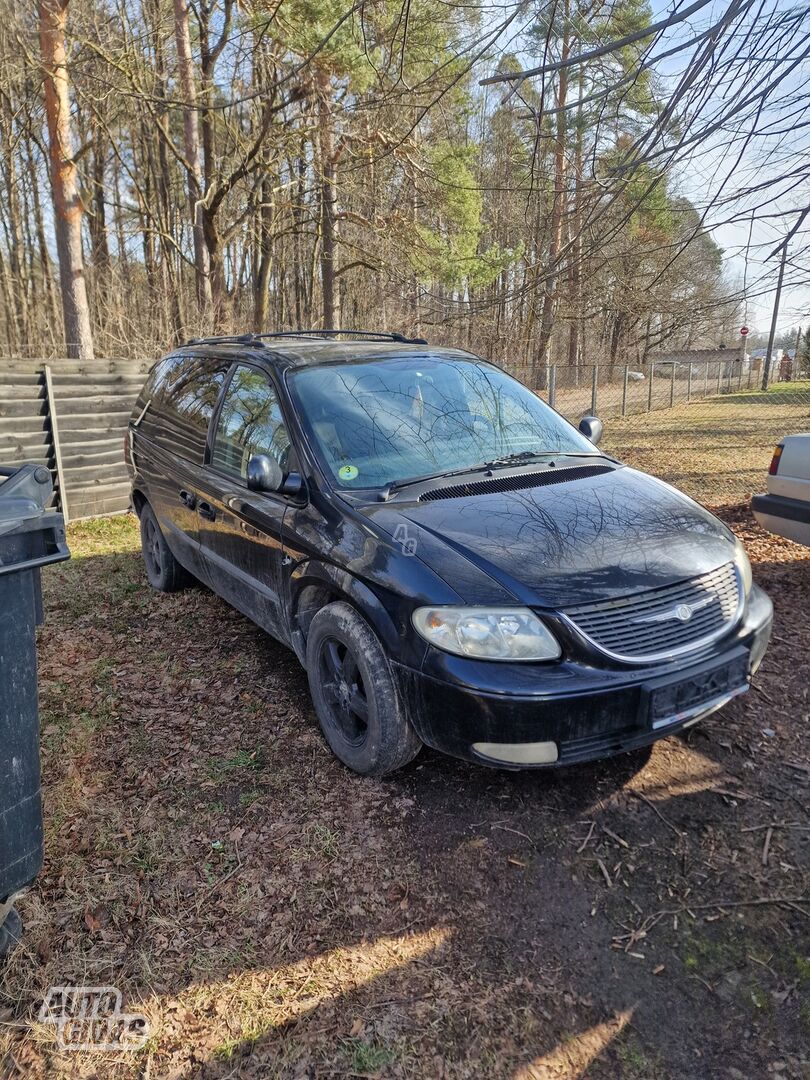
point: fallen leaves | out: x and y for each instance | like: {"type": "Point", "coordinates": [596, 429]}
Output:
{"type": "Point", "coordinates": [206, 854]}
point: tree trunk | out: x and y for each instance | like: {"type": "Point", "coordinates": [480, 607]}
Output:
{"type": "Point", "coordinates": [64, 180]}
{"type": "Point", "coordinates": [264, 260]}
{"type": "Point", "coordinates": [541, 356]}
{"type": "Point", "coordinates": [52, 313]}
{"type": "Point", "coordinates": [328, 203]}
{"type": "Point", "coordinates": [299, 270]}
{"type": "Point", "coordinates": [216, 271]}
{"type": "Point", "coordinates": [13, 227]}
{"type": "Point", "coordinates": [98, 222]}
{"type": "Point", "coordinates": [577, 245]}
{"type": "Point", "coordinates": [118, 217]}
{"type": "Point", "coordinates": [7, 307]}
{"type": "Point", "coordinates": [191, 140]}
{"type": "Point", "coordinates": [615, 338]}
{"type": "Point", "coordinates": [416, 322]}
{"type": "Point", "coordinates": [169, 261]}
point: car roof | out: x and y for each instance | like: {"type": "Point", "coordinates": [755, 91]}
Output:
{"type": "Point", "coordinates": [306, 352]}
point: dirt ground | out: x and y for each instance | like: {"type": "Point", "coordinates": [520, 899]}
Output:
{"type": "Point", "coordinates": [645, 918]}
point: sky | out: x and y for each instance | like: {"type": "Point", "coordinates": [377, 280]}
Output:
{"type": "Point", "coordinates": [767, 159]}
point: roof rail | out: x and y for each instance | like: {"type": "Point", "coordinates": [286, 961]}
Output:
{"type": "Point", "coordinates": [258, 339]}
{"type": "Point", "coordinates": [226, 339]}
{"type": "Point", "coordinates": [380, 335]}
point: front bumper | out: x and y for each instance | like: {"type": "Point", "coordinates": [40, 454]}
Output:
{"type": "Point", "coordinates": [586, 711]}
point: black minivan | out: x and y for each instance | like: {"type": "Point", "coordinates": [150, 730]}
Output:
{"type": "Point", "coordinates": [452, 562]}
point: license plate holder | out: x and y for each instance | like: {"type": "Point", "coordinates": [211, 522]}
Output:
{"type": "Point", "coordinates": [675, 700]}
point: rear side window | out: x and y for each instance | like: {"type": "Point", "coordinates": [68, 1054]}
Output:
{"type": "Point", "coordinates": [182, 392]}
{"type": "Point", "coordinates": [155, 380]}
{"type": "Point", "coordinates": [250, 422]}
{"type": "Point", "coordinates": [150, 395]}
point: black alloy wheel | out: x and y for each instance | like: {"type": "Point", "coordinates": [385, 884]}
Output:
{"type": "Point", "coordinates": [356, 698]}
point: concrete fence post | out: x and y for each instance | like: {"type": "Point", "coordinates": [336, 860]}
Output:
{"type": "Point", "coordinates": [624, 389]}
{"type": "Point", "coordinates": [552, 385]}
{"type": "Point", "coordinates": [672, 387]}
{"type": "Point", "coordinates": [594, 388]}
{"type": "Point", "coordinates": [689, 383]}
{"type": "Point", "coordinates": [719, 374]}
{"type": "Point", "coordinates": [650, 376]}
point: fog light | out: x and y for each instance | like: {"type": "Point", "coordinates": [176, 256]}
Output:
{"type": "Point", "coordinates": [527, 753]}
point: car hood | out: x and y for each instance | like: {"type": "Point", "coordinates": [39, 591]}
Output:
{"type": "Point", "coordinates": [559, 545]}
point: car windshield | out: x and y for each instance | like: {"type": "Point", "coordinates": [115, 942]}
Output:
{"type": "Point", "coordinates": [380, 422]}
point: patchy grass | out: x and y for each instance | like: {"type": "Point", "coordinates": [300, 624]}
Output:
{"type": "Point", "coordinates": [275, 916]}
{"type": "Point", "coordinates": [242, 759]}
{"type": "Point", "coordinates": [365, 1058]}
{"type": "Point", "coordinates": [636, 1063]}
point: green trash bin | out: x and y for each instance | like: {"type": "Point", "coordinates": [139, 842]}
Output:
{"type": "Point", "coordinates": [31, 536]}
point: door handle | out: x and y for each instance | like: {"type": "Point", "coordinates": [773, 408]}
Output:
{"type": "Point", "coordinates": [207, 511]}
{"type": "Point", "coordinates": [188, 499]}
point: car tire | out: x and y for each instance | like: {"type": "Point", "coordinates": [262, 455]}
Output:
{"type": "Point", "coordinates": [10, 933]}
{"type": "Point", "coordinates": [356, 699]}
{"type": "Point", "coordinates": [162, 569]}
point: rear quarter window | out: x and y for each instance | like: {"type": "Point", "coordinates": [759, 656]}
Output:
{"type": "Point", "coordinates": [180, 396]}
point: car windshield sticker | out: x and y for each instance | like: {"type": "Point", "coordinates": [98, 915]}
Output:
{"type": "Point", "coordinates": [348, 472]}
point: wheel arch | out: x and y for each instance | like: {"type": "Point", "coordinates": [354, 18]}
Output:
{"type": "Point", "coordinates": [320, 584]}
{"type": "Point", "coordinates": [138, 500]}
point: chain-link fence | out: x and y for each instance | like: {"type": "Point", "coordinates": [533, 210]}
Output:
{"type": "Point", "coordinates": [707, 427]}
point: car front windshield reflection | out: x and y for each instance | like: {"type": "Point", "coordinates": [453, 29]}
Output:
{"type": "Point", "coordinates": [380, 422]}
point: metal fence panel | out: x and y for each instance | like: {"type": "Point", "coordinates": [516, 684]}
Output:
{"type": "Point", "coordinates": [706, 427]}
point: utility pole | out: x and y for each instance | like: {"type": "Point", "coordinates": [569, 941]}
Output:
{"type": "Point", "coordinates": [797, 364]}
{"type": "Point", "coordinates": [768, 357]}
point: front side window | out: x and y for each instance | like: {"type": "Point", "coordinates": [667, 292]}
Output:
{"type": "Point", "coordinates": [250, 422]}
{"type": "Point", "coordinates": [378, 422]}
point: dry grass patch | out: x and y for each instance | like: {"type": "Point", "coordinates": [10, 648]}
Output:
{"type": "Point", "coordinates": [717, 450]}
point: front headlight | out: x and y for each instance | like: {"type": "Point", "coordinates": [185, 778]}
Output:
{"type": "Point", "coordinates": [487, 633]}
{"type": "Point", "coordinates": [744, 566]}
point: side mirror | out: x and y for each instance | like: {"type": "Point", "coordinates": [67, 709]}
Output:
{"type": "Point", "coordinates": [592, 428]}
{"type": "Point", "coordinates": [264, 473]}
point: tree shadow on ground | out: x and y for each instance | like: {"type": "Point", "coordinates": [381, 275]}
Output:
{"type": "Point", "coordinates": [278, 916]}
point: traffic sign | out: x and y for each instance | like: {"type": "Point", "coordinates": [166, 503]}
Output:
{"type": "Point", "coordinates": [743, 330]}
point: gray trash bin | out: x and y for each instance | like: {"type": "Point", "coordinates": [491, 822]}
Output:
{"type": "Point", "coordinates": [30, 537]}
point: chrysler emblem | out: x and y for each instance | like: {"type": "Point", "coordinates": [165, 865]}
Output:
{"type": "Point", "coordinates": [682, 612]}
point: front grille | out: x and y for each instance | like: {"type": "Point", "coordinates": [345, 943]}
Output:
{"type": "Point", "coordinates": [514, 483]}
{"type": "Point", "coordinates": [660, 622]}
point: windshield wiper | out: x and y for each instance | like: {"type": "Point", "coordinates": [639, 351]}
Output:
{"type": "Point", "coordinates": [521, 455]}
{"type": "Point", "coordinates": [511, 459]}
{"type": "Point", "coordinates": [388, 489]}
